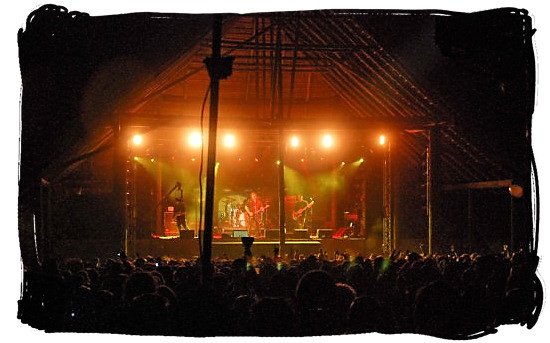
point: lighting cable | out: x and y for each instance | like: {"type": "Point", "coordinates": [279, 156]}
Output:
{"type": "Point", "coordinates": [201, 168]}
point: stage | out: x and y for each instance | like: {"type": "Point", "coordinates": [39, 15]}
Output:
{"type": "Point", "coordinates": [188, 248]}
{"type": "Point", "coordinates": [176, 247]}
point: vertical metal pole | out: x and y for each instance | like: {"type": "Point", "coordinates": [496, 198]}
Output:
{"type": "Point", "coordinates": [429, 202]}
{"type": "Point", "coordinates": [512, 243]}
{"type": "Point", "coordinates": [281, 185]}
{"type": "Point", "coordinates": [363, 220]}
{"type": "Point", "coordinates": [282, 144]}
{"type": "Point", "coordinates": [470, 219]}
{"type": "Point", "coordinates": [49, 235]}
{"type": "Point", "coordinates": [391, 197]}
{"type": "Point", "coordinates": [119, 178]}
{"type": "Point", "coordinates": [434, 189]}
{"type": "Point", "coordinates": [132, 199]}
{"type": "Point", "coordinates": [387, 203]}
{"type": "Point", "coordinates": [159, 211]}
{"type": "Point", "coordinates": [128, 206]}
{"type": "Point", "coordinates": [39, 236]}
{"type": "Point", "coordinates": [211, 161]}
{"type": "Point", "coordinates": [333, 214]}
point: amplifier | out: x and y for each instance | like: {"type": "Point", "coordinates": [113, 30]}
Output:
{"type": "Point", "coordinates": [187, 234]}
{"type": "Point", "coordinates": [301, 234]}
{"type": "Point", "coordinates": [324, 233]}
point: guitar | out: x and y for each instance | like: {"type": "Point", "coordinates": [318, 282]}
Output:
{"type": "Point", "coordinates": [254, 213]}
{"type": "Point", "coordinates": [297, 214]}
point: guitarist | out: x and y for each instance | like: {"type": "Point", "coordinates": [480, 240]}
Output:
{"type": "Point", "coordinates": [300, 213]}
{"type": "Point", "coordinates": [255, 210]}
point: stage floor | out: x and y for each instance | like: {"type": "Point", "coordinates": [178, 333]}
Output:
{"type": "Point", "coordinates": [230, 247]}
{"type": "Point", "coordinates": [176, 247]}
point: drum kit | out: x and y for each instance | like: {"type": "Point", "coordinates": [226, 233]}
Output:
{"type": "Point", "coordinates": [232, 213]}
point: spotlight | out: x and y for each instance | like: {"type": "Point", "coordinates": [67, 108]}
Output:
{"type": "Point", "coordinates": [137, 139]}
{"type": "Point", "coordinates": [361, 160]}
{"type": "Point", "coordinates": [294, 141]}
{"type": "Point", "coordinates": [516, 191]}
{"type": "Point", "coordinates": [327, 141]}
{"type": "Point", "coordinates": [229, 140]}
{"type": "Point", "coordinates": [195, 139]}
{"type": "Point", "coordinates": [382, 140]}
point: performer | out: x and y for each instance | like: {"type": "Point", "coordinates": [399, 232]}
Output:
{"type": "Point", "coordinates": [179, 209]}
{"type": "Point", "coordinates": [301, 212]}
{"type": "Point", "coordinates": [255, 211]}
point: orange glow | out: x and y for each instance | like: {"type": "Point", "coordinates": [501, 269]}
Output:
{"type": "Point", "coordinates": [229, 140]}
{"type": "Point", "coordinates": [195, 139]}
{"type": "Point", "coordinates": [294, 141]}
{"type": "Point", "coordinates": [137, 139]}
{"type": "Point", "coordinates": [327, 141]}
{"type": "Point", "coordinates": [382, 139]}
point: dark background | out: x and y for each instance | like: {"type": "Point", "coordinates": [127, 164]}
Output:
{"type": "Point", "coordinates": [10, 133]}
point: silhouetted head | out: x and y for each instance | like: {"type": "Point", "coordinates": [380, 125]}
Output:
{"type": "Point", "coordinates": [316, 289]}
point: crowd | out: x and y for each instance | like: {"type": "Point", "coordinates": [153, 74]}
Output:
{"type": "Point", "coordinates": [443, 296]}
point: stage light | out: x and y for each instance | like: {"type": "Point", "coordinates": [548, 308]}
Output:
{"type": "Point", "coordinates": [342, 163]}
{"type": "Point", "coordinates": [516, 191]}
{"type": "Point", "coordinates": [195, 139]}
{"type": "Point", "coordinates": [382, 140]}
{"type": "Point", "coordinates": [294, 141]}
{"type": "Point", "coordinates": [358, 162]}
{"type": "Point", "coordinates": [327, 141]}
{"type": "Point", "coordinates": [137, 139]}
{"type": "Point", "coordinates": [278, 162]}
{"type": "Point", "coordinates": [229, 140]}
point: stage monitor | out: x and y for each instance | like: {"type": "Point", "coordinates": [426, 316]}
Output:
{"type": "Point", "coordinates": [240, 233]}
